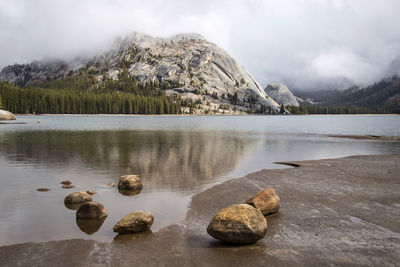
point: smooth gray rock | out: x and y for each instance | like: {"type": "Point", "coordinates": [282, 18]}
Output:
{"type": "Point", "coordinates": [6, 115]}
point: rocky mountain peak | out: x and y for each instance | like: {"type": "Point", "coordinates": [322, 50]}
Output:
{"type": "Point", "coordinates": [281, 94]}
{"type": "Point", "coordinates": [187, 64]}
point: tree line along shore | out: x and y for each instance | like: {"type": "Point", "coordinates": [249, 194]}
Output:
{"type": "Point", "coordinates": [82, 95]}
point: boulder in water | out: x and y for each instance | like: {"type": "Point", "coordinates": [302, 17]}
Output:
{"type": "Point", "coordinates": [130, 182]}
{"type": "Point", "coordinates": [134, 222]}
{"type": "Point", "coordinates": [91, 210]}
{"type": "Point", "coordinates": [77, 198]}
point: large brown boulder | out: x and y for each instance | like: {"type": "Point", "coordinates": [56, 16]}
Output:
{"type": "Point", "coordinates": [77, 198]}
{"type": "Point", "coordinates": [130, 182]}
{"type": "Point", "coordinates": [6, 115]}
{"type": "Point", "coordinates": [267, 201]}
{"type": "Point", "coordinates": [134, 222]}
{"type": "Point", "coordinates": [91, 210]}
{"type": "Point", "coordinates": [239, 223]}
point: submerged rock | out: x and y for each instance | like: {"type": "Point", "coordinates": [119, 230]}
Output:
{"type": "Point", "coordinates": [68, 186]}
{"type": "Point", "coordinates": [91, 210]}
{"type": "Point", "coordinates": [43, 189]}
{"type": "Point", "coordinates": [77, 198]}
{"type": "Point", "coordinates": [90, 192]}
{"type": "Point", "coordinates": [239, 223]}
{"type": "Point", "coordinates": [6, 115]}
{"type": "Point", "coordinates": [134, 222]}
{"type": "Point", "coordinates": [130, 182]}
{"type": "Point", "coordinates": [66, 182]}
{"type": "Point", "coordinates": [112, 184]}
{"type": "Point", "coordinates": [267, 201]}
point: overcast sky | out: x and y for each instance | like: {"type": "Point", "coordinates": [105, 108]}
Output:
{"type": "Point", "coordinates": [304, 43]}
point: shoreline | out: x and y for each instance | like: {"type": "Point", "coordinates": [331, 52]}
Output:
{"type": "Point", "coordinates": [333, 211]}
{"type": "Point", "coordinates": [211, 115]}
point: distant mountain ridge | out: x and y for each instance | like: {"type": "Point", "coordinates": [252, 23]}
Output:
{"type": "Point", "coordinates": [185, 64]}
{"type": "Point", "coordinates": [385, 93]}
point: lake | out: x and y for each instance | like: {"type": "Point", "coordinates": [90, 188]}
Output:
{"type": "Point", "coordinates": [175, 156]}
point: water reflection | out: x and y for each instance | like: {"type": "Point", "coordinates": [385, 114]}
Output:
{"type": "Point", "coordinates": [90, 226]}
{"type": "Point", "coordinates": [176, 159]}
{"type": "Point", "coordinates": [134, 236]}
{"type": "Point", "coordinates": [129, 192]}
{"type": "Point", "coordinates": [72, 206]}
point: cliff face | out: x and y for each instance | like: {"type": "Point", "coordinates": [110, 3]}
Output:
{"type": "Point", "coordinates": [188, 64]}
{"type": "Point", "coordinates": [281, 94]}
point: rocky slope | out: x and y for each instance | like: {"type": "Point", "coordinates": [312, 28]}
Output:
{"type": "Point", "coordinates": [186, 64]}
{"type": "Point", "coordinates": [281, 94]}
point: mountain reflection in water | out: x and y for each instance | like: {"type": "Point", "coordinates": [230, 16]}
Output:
{"type": "Point", "coordinates": [169, 159]}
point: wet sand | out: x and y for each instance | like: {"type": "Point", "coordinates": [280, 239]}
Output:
{"type": "Point", "coordinates": [333, 212]}
{"type": "Point", "coordinates": [368, 137]}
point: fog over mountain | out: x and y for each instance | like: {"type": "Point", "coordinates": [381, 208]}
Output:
{"type": "Point", "coordinates": [306, 44]}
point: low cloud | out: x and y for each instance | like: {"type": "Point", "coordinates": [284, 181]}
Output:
{"type": "Point", "coordinates": [305, 43]}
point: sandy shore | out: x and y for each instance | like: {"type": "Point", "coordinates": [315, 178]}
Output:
{"type": "Point", "coordinates": [339, 212]}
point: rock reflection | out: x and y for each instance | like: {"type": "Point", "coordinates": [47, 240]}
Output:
{"type": "Point", "coordinates": [129, 192]}
{"type": "Point", "coordinates": [90, 226]}
{"type": "Point", "coordinates": [131, 237]}
{"type": "Point", "coordinates": [174, 159]}
{"type": "Point", "coordinates": [72, 206]}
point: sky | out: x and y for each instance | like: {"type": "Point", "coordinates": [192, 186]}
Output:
{"type": "Point", "coordinates": [306, 44]}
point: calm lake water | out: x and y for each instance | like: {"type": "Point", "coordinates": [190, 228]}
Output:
{"type": "Point", "coordinates": [176, 157]}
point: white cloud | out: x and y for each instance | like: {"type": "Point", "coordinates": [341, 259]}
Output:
{"type": "Point", "coordinates": [300, 42]}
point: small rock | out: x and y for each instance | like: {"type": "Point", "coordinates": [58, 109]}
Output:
{"type": "Point", "coordinates": [6, 115]}
{"type": "Point", "coordinates": [112, 184]}
{"type": "Point", "coordinates": [66, 182]}
{"type": "Point", "coordinates": [68, 186]}
{"type": "Point", "coordinates": [240, 223]}
{"type": "Point", "coordinates": [43, 189]}
{"type": "Point", "coordinates": [90, 192]}
{"type": "Point", "coordinates": [267, 201]}
{"type": "Point", "coordinates": [134, 222]}
{"type": "Point", "coordinates": [77, 198]}
{"type": "Point", "coordinates": [130, 182]}
{"type": "Point", "coordinates": [91, 210]}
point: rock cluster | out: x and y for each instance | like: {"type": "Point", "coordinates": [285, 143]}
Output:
{"type": "Point", "coordinates": [245, 223]}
